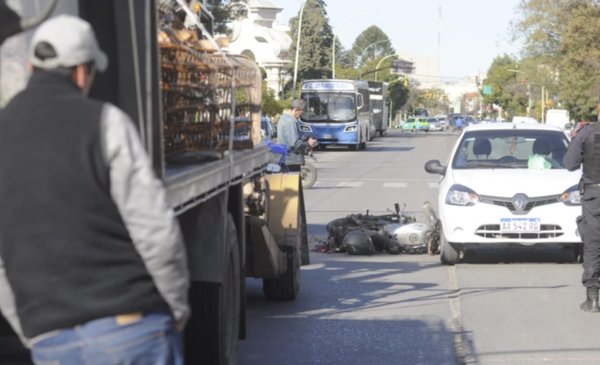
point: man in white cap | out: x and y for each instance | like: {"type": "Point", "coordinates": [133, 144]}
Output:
{"type": "Point", "coordinates": [92, 263]}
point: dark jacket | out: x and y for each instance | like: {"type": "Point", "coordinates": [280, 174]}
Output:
{"type": "Point", "coordinates": [69, 247]}
{"type": "Point", "coordinates": [584, 152]}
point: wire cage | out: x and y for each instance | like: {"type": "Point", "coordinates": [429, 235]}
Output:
{"type": "Point", "coordinates": [198, 90]}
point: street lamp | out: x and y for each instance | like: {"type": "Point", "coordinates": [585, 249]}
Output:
{"type": "Point", "coordinates": [362, 54]}
{"type": "Point", "coordinates": [335, 37]}
{"type": "Point", "coordinates": [297, 49]}
{"type": "Point", "coordinates": [379, 64]}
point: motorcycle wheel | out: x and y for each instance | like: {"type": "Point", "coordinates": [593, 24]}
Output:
{"type": "Point", "coordinates": [308, 175]}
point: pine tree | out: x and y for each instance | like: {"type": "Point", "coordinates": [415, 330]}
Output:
{"type": "Point", "coordinates": [316, 40]}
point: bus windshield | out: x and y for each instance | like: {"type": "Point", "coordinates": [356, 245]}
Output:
{"type": "Point", "coordinates": [323, 107]}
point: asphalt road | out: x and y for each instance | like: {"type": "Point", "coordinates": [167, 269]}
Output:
{"type": "Point", "coordinates": [501, 306]}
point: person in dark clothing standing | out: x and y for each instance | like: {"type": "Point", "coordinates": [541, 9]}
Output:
{"type": "Point", "coordinates": [584, 151]}
{"type": "Point", "coordinates": [287, 133]}
{"type": "Point", "coordinates": [92, 262]}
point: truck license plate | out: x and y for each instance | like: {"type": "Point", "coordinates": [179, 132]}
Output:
{"type": "Point", "coordinates": [520, 225]}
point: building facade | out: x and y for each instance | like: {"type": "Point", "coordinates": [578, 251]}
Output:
{"type": "Point", "coordinates": [258, 36]}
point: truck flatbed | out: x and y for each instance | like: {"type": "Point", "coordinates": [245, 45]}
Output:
{"type": "Point", "coordinates": [190, 185]}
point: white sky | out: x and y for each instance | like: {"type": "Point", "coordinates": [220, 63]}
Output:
{"type": "Point", "coordinates": [472, 32]}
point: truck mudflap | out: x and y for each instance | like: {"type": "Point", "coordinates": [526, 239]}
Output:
{"type": "Point", "coordinates": [277, 238]}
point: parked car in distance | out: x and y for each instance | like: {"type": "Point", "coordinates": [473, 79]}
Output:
{"type": "Point", "coordinates": [443, 118]}
{"type": "Point", "coordinates": [267, 129]}
{"type": "Point", "coordinates": [523, 119]}
{"type": "Point", "coordinates": [435, 124]}
{"type": "Point", "coordinates": [415, 124]}
{"type": "Point", "coordinates": [505, 184]}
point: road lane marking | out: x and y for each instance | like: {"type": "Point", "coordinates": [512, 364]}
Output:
{"type": "Point", "coordinates": [395, 185]}
{"type": "Point", "coordinates": [349, 184]}
{"type": "Point", "coordinates": [461, 348]}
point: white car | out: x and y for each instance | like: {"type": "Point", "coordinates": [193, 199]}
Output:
{"type": "Point", "coordinates": [505, 184]}
{"type": "Point", "coordinates": [435, 124]}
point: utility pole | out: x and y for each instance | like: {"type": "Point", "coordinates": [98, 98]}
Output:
{"type": "Point", "coordinates": [297, 49]}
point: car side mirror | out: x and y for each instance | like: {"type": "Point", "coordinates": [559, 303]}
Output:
{"type": "Point", "coordinates": [435, 167]}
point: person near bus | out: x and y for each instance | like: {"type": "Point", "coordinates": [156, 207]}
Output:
{"type": "Point", "coordinates": [287, 134]}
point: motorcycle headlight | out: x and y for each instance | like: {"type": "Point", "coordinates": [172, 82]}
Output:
{"type": "Point", "coordinates": [461, 195]}
{"type": "Point", "coordinates": [350, 128]}
{"type": "Point", "coordinates": [571, 196]}
{"type": "Point", "coordinates": [305, 128]}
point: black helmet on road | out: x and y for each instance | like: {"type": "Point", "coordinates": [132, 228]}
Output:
{"type": "Point", "coordinates": [358, 242]}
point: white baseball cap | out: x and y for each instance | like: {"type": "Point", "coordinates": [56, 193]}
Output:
{"type": "Point", "coordinates": [74, 41]}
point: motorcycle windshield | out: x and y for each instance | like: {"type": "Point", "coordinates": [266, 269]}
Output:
{"type": "Point", "coordinates": [329, 107]}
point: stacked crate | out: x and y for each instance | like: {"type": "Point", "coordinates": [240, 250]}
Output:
{"type": "Point", "coordinates": [198, 86]}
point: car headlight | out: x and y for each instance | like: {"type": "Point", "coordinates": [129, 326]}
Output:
{"type": "Point", "coordinates": [305, 128]}
{"type": "Point", "coordinates": [571, 196]}
{"type": "Point", "coordinates": [350, 128]}
{"type": "Point", "coordinates": [461, 195]}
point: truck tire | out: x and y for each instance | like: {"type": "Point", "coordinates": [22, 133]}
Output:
{"type": "Point", "coordinates": [286, 286]}
{"type": "Point", "coordinates": [212, 333]}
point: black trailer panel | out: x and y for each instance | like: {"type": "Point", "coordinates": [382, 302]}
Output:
{"type": "Point", "coordinates": [378, 98]}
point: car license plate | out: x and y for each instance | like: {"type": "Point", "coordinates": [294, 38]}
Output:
{"type": "Point", "coordinates": [327, 136]}
{"type": "Point", "coordinates": [520, 225]}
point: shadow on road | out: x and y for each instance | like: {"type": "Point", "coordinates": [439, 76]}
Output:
{"type": "Point", "coordinates": [532, 254]}
{"type": "Point", "coordinates": [352, 310]}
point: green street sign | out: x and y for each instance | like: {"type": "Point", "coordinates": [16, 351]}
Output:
{"type": "Point", "coordinates": [487, 89]}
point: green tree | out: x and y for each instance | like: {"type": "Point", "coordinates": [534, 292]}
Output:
{"type": "Point", "coordinates": [316, 40]}
{"type": "Point", "coordinates": [399, 94]}
{"type": "Point", "coordinates": [540, 24]}
{"type": "Point", "coordinates": [269, 105]}
{"type": "Point", "coordinates": [222, 14]}
{"type": "Point", "coordinates": [434, 100]}
{"type": "Point", "coordinates": [508, 91]}
{"type": "Point", "coordinates": [370, 45]}
{"type": "Point", "coordinates": [561, 49]}
{"type": "Point", "coordinates": [579, 65]}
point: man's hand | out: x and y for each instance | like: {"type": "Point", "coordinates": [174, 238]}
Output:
{"type": "Point", "coordinates": [312, 142]}
{"type": "Point", "coordinates": [577, 128]}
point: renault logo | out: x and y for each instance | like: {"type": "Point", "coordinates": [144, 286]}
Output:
{"type": "Point", "coordinates": [520, 202]}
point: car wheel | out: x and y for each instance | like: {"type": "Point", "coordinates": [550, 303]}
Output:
{"type": "Point", "coordinates": [448, 254]}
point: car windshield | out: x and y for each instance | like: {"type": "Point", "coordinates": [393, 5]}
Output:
{"type": "Point", "coordinates": [511, 149]}
{"type": "Point", "coordinates": [323, 107]}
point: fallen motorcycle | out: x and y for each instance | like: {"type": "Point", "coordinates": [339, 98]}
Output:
{"type": "Point", "coordinates": [392, 233]}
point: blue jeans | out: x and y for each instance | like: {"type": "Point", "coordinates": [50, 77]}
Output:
{"type": "Point", "coordinates": [151, 340]}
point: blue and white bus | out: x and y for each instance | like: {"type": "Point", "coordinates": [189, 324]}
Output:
{"type": "Point", "coordinates": [337, 112]}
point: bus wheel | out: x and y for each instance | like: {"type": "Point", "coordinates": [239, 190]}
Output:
{"type": "Point", "coordinates": [362, 146]}
{"type": "Point", "coordinates": [352, 147]}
